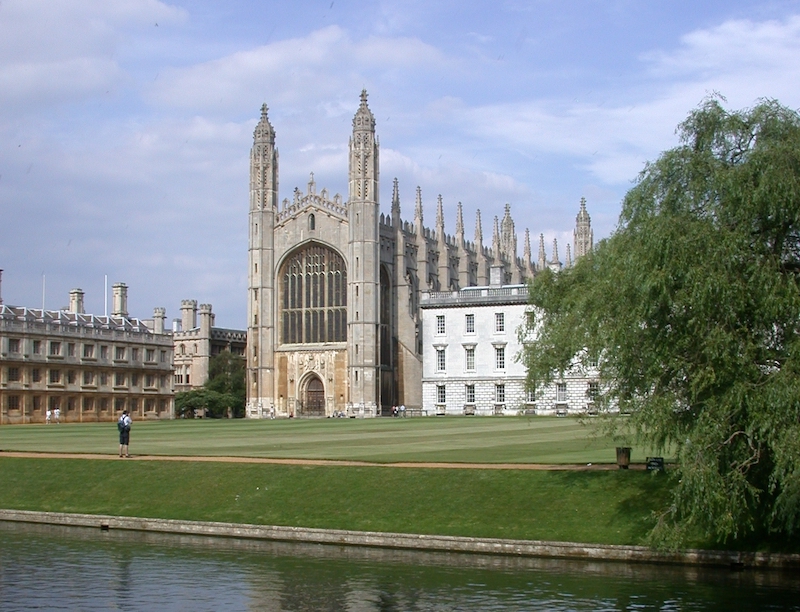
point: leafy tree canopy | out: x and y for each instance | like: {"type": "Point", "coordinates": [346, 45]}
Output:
{"type": "Point", "coordinates": [226, 374]}
{"type": "Point", "coordinates": [693, 307]}
{"type": "Point", "coordinates": [225, 389]}
{"type": "Point", "coordinates": [215, 403]}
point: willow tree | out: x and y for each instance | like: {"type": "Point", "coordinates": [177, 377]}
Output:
{"type": "Point", "coordinates": [693, 307]}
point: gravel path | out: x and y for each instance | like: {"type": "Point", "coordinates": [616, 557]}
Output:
{"type": "Point", "coordinates": [331, 462]}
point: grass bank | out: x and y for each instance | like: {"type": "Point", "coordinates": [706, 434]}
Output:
{"type": "Point", "coordinates": [612, 507]}
{"type": "Point", "coordinates": [452, 439]}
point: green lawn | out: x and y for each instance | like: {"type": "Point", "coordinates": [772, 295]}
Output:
{"type": "Point", "coordinates": [612, 507]}
{"type": "Point", "coordinates": [458, 439]}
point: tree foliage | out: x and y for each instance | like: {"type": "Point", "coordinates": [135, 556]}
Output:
{"type": "Point", "coordinates": [693, 306]}
{"type": "Point", "coordinates": [224, 390]}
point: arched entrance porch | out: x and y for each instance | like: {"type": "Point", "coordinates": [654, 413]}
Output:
{"type": "Point", "coordinates": [312, 397]}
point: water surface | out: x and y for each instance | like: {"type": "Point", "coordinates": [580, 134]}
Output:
{"type": "Point", "coordinates": [59, 568]}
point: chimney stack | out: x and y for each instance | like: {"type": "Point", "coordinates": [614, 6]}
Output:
{"type": "Point", "coordinates": [119, 300]}
{"type": "Point", "coordinates": [76, 301]}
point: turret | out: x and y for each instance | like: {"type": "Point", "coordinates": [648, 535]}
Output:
{"type": "Point", "coordinates": [206, 320]}
{"type": "Point", "coordinates": [188, 315]}
{"type": "Point", "coordinates": [583, 235]}
{"type": "Point", "coordinates": [261, 274]}
{"type": "Point", "coordinates": [159, 316]}
{"type": "Point", "coordinates": [364, 257]}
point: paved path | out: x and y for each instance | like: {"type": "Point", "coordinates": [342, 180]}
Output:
{"type": "Point", "coordinates": [332, 462]}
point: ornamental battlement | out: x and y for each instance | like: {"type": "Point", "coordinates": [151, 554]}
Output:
{"type": "Point", "coordinates": [311, 199]}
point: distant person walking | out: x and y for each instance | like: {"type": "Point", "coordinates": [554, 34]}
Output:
{"type": "Point", "coordinates": [124, 427]}
{"type": "Point", "coordinates": [47, 416]}
{"type": "Point", "coordinates": [57, 414]}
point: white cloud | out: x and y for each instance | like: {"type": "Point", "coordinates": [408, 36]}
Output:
{"type": "Point", "coordinates": [26, 83]}
{"type": "Point", "coordinates": [325, 64]}
{"type": "Point", "coordinates": [52, 51]}
{"type": "Point", "coordinates": [733, 47]}
{"type": "Point", "coordinates": [744, 61]}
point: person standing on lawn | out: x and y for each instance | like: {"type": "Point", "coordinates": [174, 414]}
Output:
{"type": "Point", "coordinates": [124, 427]}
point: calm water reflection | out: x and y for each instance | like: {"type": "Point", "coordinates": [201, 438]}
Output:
{"type": "Point", "coordinates": [50, 568]}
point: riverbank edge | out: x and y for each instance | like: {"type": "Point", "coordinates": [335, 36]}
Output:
{"type": "Point", "coordinates": [404, 541]}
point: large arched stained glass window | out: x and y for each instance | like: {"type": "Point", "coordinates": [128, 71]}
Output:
{"type": "Point", "coordinates": [314, 296]}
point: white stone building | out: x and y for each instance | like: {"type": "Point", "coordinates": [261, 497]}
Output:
{"type": "Point", "coordinates": [471, 346]}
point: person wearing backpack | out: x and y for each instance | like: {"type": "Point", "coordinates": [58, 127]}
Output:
{"type": "Point", "coordinates": [124, 427]}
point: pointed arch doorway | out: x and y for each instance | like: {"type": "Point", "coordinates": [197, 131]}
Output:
{"type": "Point", "coordinates": [313, 398]}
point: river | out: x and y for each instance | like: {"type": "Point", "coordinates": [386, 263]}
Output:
{"type": "Point", "coordinates": [65, 568]}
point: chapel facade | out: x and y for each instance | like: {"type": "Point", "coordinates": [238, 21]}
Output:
{"type": "Point", "coordinates": [334, 318]}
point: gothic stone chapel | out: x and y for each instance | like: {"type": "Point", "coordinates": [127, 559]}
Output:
{"type": "Point", "coordinates": [335, 287]}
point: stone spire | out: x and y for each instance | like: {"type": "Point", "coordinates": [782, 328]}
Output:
{"type": "Point", "coordinates": [423, 272]}
{"type": "Point", "coordinates": [583, 235]}
{"type": "Point", "coordinates": [508, 238]}
{"type": "Point", "coordinates": [542, 254]}
{"type": "Point", "coordinates": [460, 223]}
{"type": "Point", "coordinates": [264, 132]}
{"type": "Point", "coordinates": [526, 248]}
{"type": "Point", "coordinates": [527, 256]}
{"type": "Point", "coordinates": [418, 211]}
{"type": "Point", "coordinates": [555, 262]}
{"type": "Point", "coordinates": [496, 240]}
{"type": "Point", "coordinates": [482, 275]}
{"type": "Point", "coordinates": [395, 202]}
{"type": "Point", "coordinates": [440, 216]}
{"type": "Point", "coordinates": [363, 120]}
{"type": "Point", "coordinates": [364, 149]}
{"type": "Point", "coordinates": [443, 271]}
{"type": "Point", "coordinates": [568, 260]}
{"type": "Point", "coordinates": [263, 165]}
{"type": "Point", "coordinates": [463, 258]}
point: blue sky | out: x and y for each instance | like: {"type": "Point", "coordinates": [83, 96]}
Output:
{"type": "Point", "coordinates": [125, 126]}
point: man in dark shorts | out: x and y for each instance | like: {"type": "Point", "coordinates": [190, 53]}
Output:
{"type": "Point", "coordinates": [124, 426]}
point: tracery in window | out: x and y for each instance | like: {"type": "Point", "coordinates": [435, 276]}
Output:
{"type": "Point", "coordinates": [314, 298]}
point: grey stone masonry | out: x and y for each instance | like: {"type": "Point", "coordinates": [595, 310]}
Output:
{"type": "Point", "coordinates": [69, 366]}
{"type": "Point", "coordinates": [492, 546]}
{"type": "Point", "coordinates": [335, 285]}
